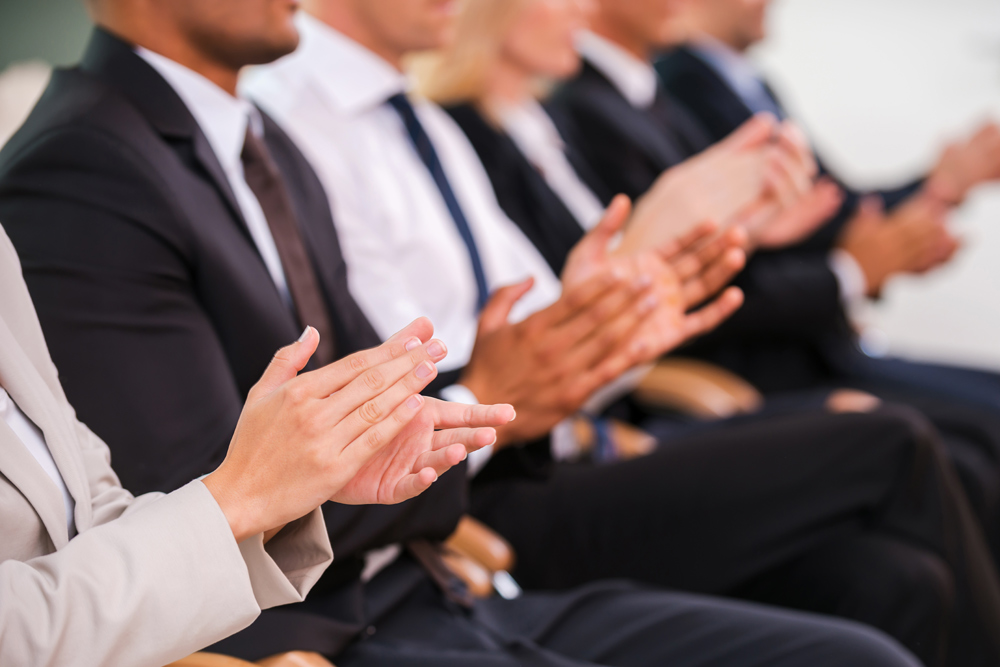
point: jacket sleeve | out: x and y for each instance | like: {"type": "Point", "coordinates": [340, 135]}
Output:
{"type": "Point", "coordinates": [150, 579]}
{"type": "Point", "coordinates": [787, 294]}
{"type": "Point", "coordinates": [162, 581]}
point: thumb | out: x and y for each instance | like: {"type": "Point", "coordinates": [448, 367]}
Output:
{"type": "Point", "coordinates": [497, 310]}
{"type": "Point", "coordinates": [287, 363]}
{"type": "Point", "coordinates": [615, 217]}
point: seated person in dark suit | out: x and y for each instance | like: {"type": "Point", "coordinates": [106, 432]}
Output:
{"type": "Point", "coordinates": [714, 79]}
{"type": "Point", "coordinates": [172, 232]}
{"type": "Point", "coordinates": [404, 183]}
{"type": "Point", "coordinates": [793, 332]}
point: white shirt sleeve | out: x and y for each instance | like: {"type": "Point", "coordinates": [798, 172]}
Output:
{"type": "Point", "coordinates": [850, 278]}
{"type": "Point", "coordinates": [458, 393]}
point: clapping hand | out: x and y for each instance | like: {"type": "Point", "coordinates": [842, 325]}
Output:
{"type": "Point", "coordinates": [356, 431]}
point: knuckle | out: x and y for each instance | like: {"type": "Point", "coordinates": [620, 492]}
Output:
{"type": "Point", "coordinates": [357, 363]}
{"type": "Point", "coordinates": [371, 412]}
{"type": "Point", "coordinates": [374, 379]}
{"type": "Point", "coordinates": [372, 439]}
{"type": "Point", "coordinates": [296, 394]}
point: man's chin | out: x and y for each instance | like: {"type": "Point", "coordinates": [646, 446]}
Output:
{"type": "Point", "coordinates": [274, 50]}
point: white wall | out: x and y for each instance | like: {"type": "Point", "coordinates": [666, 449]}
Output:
{"type": "Point", "coordinates": [879, 85]}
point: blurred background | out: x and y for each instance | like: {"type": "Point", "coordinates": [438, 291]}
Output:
{"type": "Point", "coordinates": [879, 86]}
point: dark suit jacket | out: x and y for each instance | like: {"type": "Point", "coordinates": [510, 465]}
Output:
{"type": "Point", "coordinates": [625, 148]}
{"type": "Point", "coordinates": [521, 190]}
{"type": "Point", "coordinates": [156, 305]}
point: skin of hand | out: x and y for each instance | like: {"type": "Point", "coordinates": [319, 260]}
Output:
{"type": "Point", "coordinates": [686, 272]}
{"type": "Point", "coordinates": [913, 239]}
{"type": "Point", "coordinates": [964, 165]}
{"type": "Point", "coordinates": [747, 179]}
{"type": "Point", "coordinates": [617, 311]}
{"type": "Point", "coordinates": [356, 431]}
{"type": "Point", "coordinates": [547, 365]}
{"type": "Point", "coordinates": [798, 222]}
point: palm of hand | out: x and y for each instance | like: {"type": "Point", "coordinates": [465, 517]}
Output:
{"type": "Point", "coordinates": [379, 481]}
{"type": "Point", "coordinates": [666, 327]}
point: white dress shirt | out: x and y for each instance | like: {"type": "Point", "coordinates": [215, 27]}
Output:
{"type": "Point", "coordinates": [634, 78]}
{"type": "Point", "coordinates": [405, 256]}
{"type": "Point", "coordinates": [33, 439]}
{"type": "Point", "coordinates": [536, 136]}
{"type": "Point", "coordinates": [224, 120]}
{"type": "Point", "coordinates": [743, 78]}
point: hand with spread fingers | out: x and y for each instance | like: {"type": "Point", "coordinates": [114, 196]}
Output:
{"type": "Point", "coordinates": [547, 365]}
{"type": "Point", "coordinates": [686, 272]}
{"type": "Point", "coordinates": [691, 276]}
{"type": "Point", "coordinates": [356, 431]}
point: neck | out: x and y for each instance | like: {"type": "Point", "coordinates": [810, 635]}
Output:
{"type": "Point", "coordinates": [508, 85]}
{"type": "Point", "coordinates": [623, 38]}
{"type": "Point", "coordinates": [340, 17]}
{"type": "Point", "coordinates": [157, 36]}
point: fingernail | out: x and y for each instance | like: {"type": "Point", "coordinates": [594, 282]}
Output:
{"type": "Point", "coordinates": [412, 344]}
{"type": "Point", "coordinates": [648, 304]}
{"type": "Point", "coordinates": [436, 349]}
{"type": "Point", "coordinates": [425, 370]}
{"type": "Point", "coordinates": [305, 334]}
{"type": "Point", "coordinates": [414, 402]}
{"type": "Point", "coordinates": [643, 281]}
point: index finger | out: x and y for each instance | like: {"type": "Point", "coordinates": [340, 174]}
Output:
{"type": "Point", "coordinates": [334, 377]}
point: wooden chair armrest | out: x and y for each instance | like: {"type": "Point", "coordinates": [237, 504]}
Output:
{"type": "Point", "coordinates": [293, 659]}
{"type": "Point", "coordinates": [698, 389]}
{"type": "Point", "coordinates": [481, 544]}
{"type": "Point", "coordinates": [477, 578]}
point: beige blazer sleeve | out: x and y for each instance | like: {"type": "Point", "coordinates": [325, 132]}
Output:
{"type": "Point", "coordinates": [146, 580]}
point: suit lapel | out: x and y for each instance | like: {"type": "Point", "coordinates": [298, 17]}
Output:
{"type": "Point", "coordinates": [635, 124]}
{"type": "Point", "coordinates": [29, 391]}
{"type": "Point", "coordinates": [115, 62]}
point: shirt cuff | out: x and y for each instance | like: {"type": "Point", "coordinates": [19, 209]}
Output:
{"type": "Point", "coordinates": [458, 393]}
{"type": "Point", "coordinates": [850, 278]}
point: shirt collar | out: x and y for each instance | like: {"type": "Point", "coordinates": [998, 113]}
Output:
{"type": "Point", "coordinates": [222, 117]}
{"type": "Point", "coordinates": [635, 79]}
{"type": "Point", "coordinates": [734, 67]}
{"type": "Point", "coordinates": [347, 74]}
{"type": "Point", "coordinates": [530, 126]}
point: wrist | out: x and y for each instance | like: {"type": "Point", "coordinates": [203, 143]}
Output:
{"type": "Point", "coordinates": [231, 504]}
{"type": "Point", "coordinates": [944, 189]}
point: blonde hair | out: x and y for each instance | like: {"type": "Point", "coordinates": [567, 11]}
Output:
{"type": "Point", "coordinates": [458, 73]}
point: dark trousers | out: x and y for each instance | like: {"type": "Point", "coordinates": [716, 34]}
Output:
{"type": "Point", "coordinates": [859, 515]}
{"type": "Point", "coordinates": [614, 623]}
{"type": "Point", "coordinates": [964, 405]}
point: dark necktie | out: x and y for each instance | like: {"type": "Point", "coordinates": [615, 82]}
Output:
{"type": "Point", "coordinates": [264, 179]}
{"type": "Point", "coordinates": [425, 149]}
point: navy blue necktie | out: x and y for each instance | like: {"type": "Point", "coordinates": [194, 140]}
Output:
{"type": "Point", "coordinates": [425, 149]}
